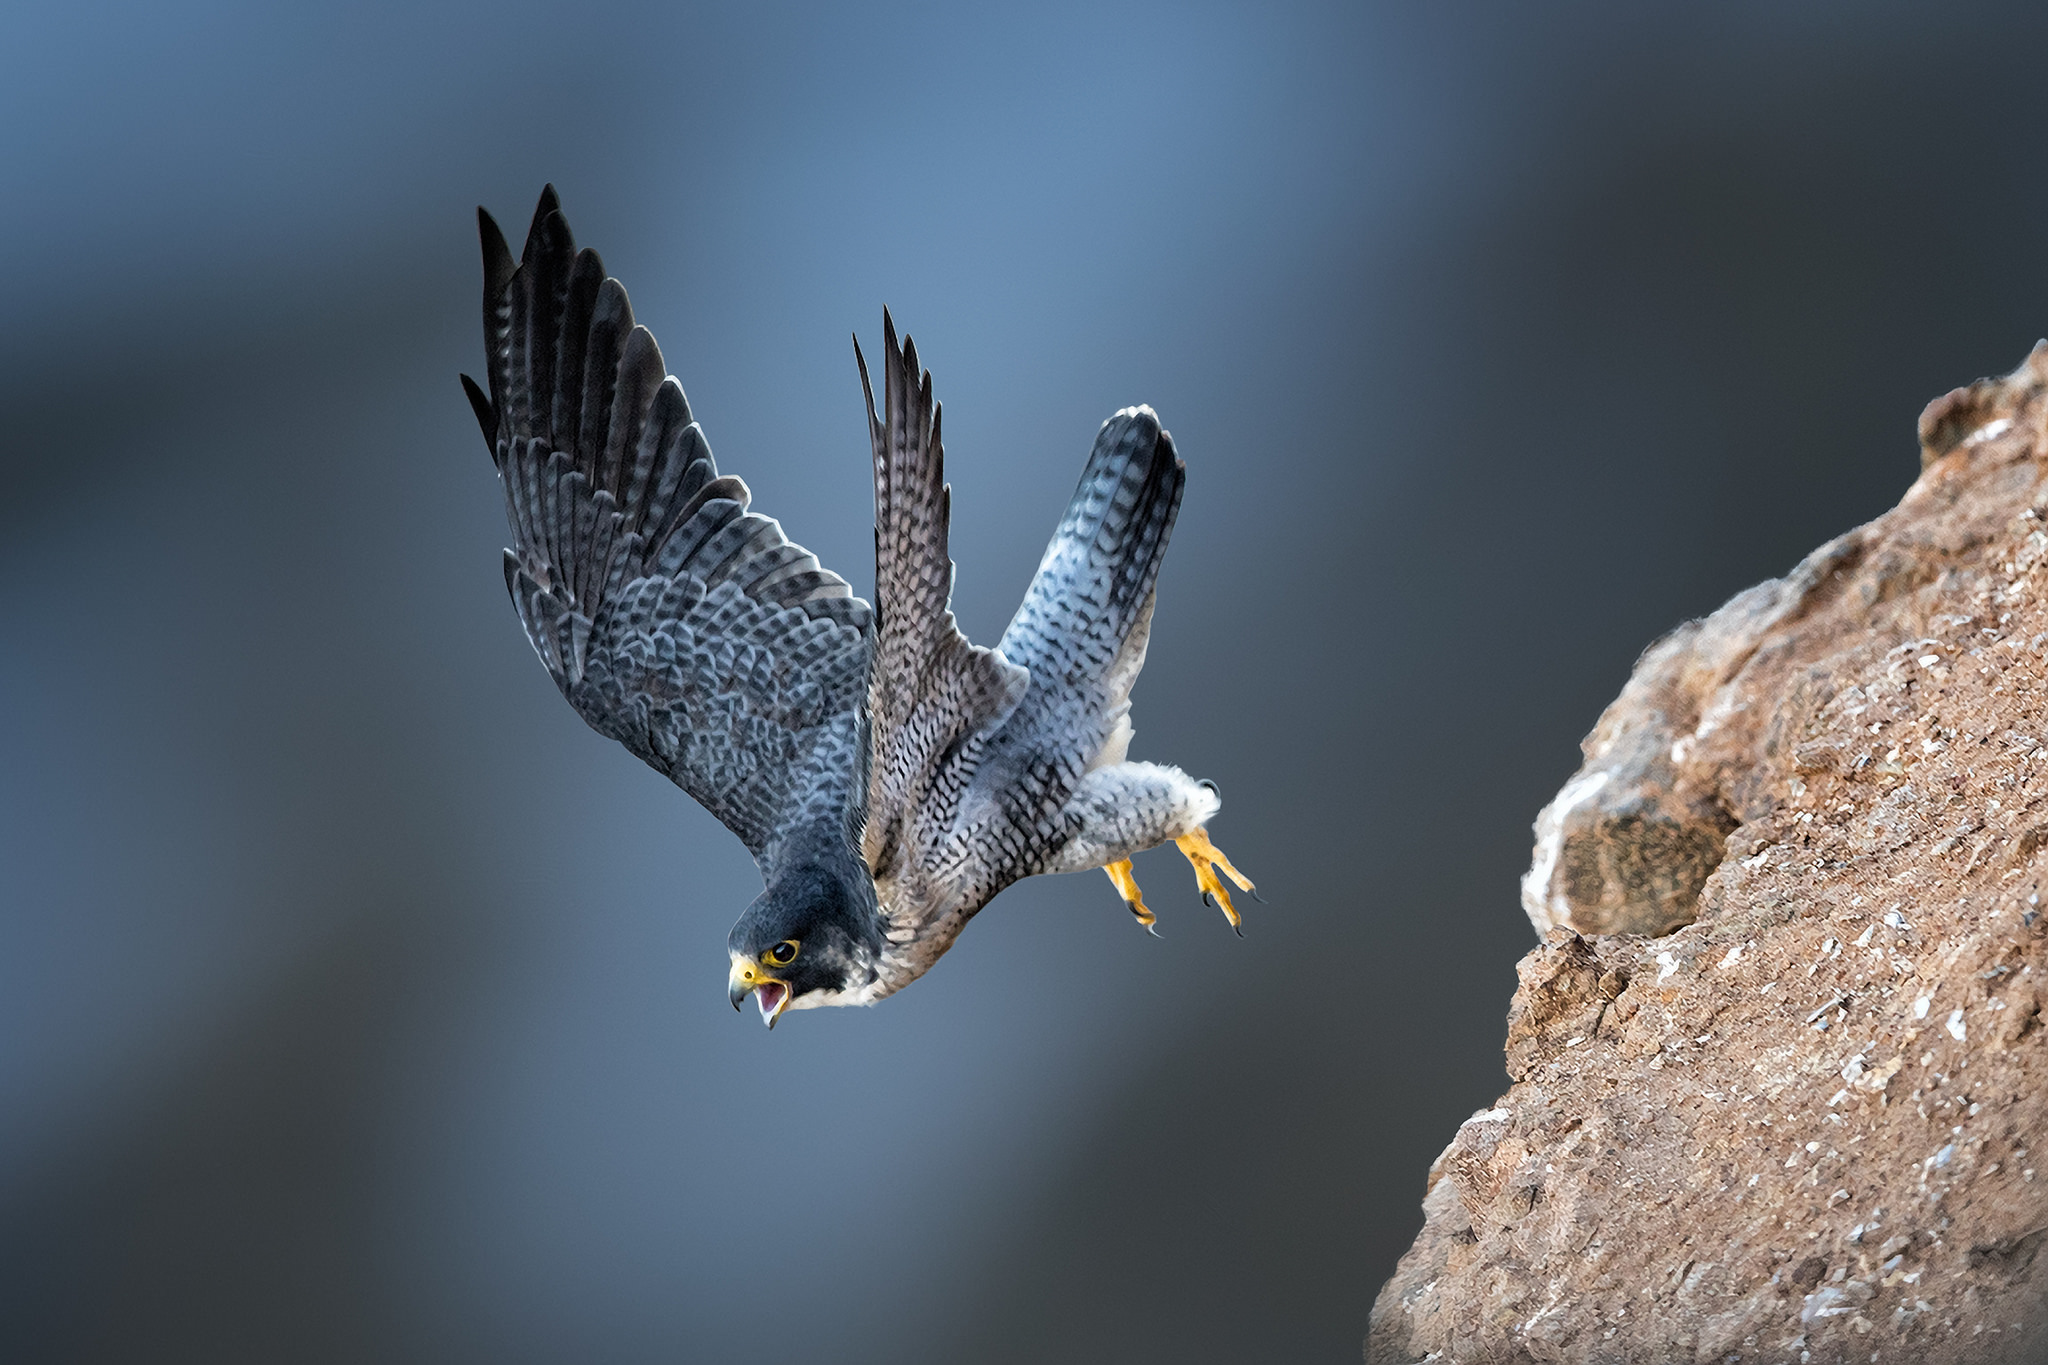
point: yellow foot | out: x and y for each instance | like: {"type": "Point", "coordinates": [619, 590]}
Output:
{"type": "Point", "coordinates": [1207, 858]}
{"type": "Point", "coordinates": [1127, 887]}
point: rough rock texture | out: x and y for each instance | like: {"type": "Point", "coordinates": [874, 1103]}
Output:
{"type": "Point", "coordinates": [1799, 1125]}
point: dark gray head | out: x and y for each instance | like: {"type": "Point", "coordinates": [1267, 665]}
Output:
{"type": "Point", "coordinates": [814, 937]}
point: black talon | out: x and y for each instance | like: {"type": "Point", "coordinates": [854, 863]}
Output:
{"type": "Point", "coordinates": [1255, 894]}
{"type": "Point", "coordinates": [1208, 900]}
{"type": "Point", "coordinates": [1239, 928]}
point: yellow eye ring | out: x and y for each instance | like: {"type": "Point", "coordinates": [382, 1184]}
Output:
{"type": "Point", "coordinates": [783, 953]}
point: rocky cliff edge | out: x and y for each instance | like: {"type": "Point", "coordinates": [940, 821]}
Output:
{"type": "Point", "coordinates": [1778, 1064]}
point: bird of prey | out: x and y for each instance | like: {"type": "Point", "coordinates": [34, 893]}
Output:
{"type": "Point", "coordinates": [888, 776]}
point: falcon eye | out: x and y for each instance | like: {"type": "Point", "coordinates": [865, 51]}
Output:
{"type": "Point", "coordinates": [783, 953]}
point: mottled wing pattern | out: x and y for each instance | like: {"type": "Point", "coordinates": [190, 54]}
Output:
{"type": "Point", "coordinates": [934, 697]}
{"type": "Point", "coordinates": [1081, 632]}
{"type": "Point", "coordinates": [673, 619]}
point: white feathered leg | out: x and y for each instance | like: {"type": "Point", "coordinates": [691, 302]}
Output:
{"type": "Point", "coordinates": [1126, 808]}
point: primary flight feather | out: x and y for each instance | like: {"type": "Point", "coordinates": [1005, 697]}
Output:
{"type": "Point", "coordinates": [889, 776]}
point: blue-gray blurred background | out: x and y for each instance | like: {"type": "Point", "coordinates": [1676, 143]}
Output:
{"type": "Point", "coordinates": [357, 1003]}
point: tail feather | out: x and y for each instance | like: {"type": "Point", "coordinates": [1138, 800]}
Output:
{"type": "Point", "coordinates": [1082, 627]}
{"type": "Point", "coordinates": [1101, 564]}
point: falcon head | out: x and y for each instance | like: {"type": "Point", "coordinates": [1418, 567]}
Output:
{"type": "Point", "coordinates": [814, 937]}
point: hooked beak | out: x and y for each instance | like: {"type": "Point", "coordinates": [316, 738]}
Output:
{"type": "Point", "coordinates": [749, 978]}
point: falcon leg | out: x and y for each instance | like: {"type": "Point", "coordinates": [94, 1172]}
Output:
{"type": "Point", "coordinates": [1207, 858]}
{"type": "Point", "coordinates": [1127, 886]}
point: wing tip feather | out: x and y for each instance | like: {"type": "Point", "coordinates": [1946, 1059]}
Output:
{"type": "Point", "coordinates": [550, 205]}
{"type": "Point", "coordinates": [486, 415]}
{"type": "Point", "coordinates": [498, 262]}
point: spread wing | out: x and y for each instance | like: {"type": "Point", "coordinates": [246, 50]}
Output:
{"type": "Point", "coordinates": [933, 696]}
{"type": "Point", "coordinates": [672, 618]}
{"type": "Point", "coordinates": [1081, 631]}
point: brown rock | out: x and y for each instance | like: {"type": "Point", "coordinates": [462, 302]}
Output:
{"type": "Point", "coordinates": [1800, 1124]}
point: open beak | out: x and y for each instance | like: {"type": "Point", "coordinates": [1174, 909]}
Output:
{"type": "Point", "coordinates": [748, 978]}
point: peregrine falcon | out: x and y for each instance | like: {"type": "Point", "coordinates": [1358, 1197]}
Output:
{"type": "Point", "coordinates": [888, 776]}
